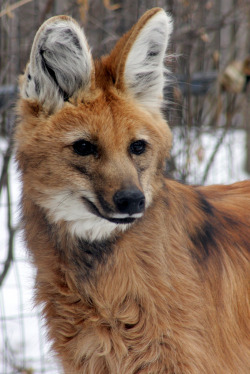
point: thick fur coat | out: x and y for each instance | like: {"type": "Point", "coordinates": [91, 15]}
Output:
{"type": "Point", "coordinates": [136, 273]}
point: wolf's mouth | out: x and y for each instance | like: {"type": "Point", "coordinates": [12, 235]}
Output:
{"type": "Point", "coordinates": [93, 209]}
{"type": "Point", "coordinates": [121, 220]}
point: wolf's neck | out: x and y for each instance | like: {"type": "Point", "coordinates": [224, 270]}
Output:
{"type": "Point", "coordinates": [85, 261]}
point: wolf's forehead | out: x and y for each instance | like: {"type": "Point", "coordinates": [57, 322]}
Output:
{"type": "Point", "coordinates": [108, 132]}
{"type": "Point", "coordinates": [101, 118]}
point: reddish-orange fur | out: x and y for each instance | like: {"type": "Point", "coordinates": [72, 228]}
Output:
{"type": "Point", "coordinates": [171, 293]}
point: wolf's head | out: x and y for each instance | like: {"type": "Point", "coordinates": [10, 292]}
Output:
{"type": "Point", "coordinates": [91, 142]}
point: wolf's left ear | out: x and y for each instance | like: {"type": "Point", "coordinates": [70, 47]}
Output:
{"type": "Point", "coordinates": [60, 63]}
{"type": "Point", "coordinates": [141, 66]}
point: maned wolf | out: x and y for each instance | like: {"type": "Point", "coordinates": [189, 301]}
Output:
{"type": "Point", "coordinates": [136, 273]}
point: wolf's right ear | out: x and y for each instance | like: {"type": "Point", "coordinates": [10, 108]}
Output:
{"type": "Point", "coordinates": [60, 63]}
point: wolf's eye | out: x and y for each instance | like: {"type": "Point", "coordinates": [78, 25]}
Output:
{"type": "Point", "coordinates": [84, 148]}
{"type": "Point", "coordinates": [138, 147]}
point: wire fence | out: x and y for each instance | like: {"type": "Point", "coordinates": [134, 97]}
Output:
{"type": "Point", "coordinates": [208, 110]}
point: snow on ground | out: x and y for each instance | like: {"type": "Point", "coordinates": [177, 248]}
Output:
{"type": "Point", "coordinates": [22, 340]}
{"type": "Point", "coordinates": [228, 163]}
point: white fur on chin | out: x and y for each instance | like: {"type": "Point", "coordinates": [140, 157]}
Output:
{"type": "Point", "coordinates": [70, 208]}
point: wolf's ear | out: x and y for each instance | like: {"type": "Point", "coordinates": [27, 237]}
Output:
{"type": "Point", "coordinates": [141, 66]}
{"type": "Point", "coordinates": [60, 63]}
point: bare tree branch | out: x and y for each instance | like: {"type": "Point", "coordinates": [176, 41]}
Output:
{"type": "Point", "coordinates": [10, 8]}
{"type": "Point", "coordinates": [11, 233]}
{"type": "Point", "coordinates": [214, 153]}
{"type": "Point", "coordinates": [6, 160]}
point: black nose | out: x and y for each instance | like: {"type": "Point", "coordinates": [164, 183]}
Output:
{"type": "Point", "coordinates": [129, 201]}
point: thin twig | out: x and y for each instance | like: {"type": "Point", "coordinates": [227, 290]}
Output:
{"type": "Point", "coordinates": [6, 160]}
{"type": "Point", "coordinates": [10, 8]}
{"type": "Point", "coordinates": [212, 157]}
{"type": "Point", "coordinates": [111, 7]}
{"type": "Point", "coordinates": [11, 233]}
{"type": "Point", "coordinates": [229, 113]}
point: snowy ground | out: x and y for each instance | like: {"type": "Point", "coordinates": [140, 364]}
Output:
{"type": "Point", "coordinates": [228, 163]}
{"type": "Point", "coordinates": [22, 339]}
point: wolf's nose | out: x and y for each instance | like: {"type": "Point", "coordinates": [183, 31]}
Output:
{"type": "Point", "coordinates": [129, 201]}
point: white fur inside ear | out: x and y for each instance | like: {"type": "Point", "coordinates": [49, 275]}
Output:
{"type": "Point", "coordinates": [144, 68]}
{"type": "Point", "coordinates": [60, 63]}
